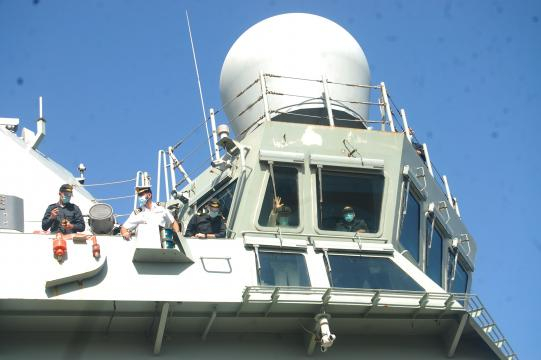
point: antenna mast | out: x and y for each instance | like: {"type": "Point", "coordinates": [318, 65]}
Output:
{"type": "Point", "coordinates": [199, 84]}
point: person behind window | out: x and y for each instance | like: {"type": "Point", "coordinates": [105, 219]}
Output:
{"type": "Point", "coordinates": [280, 214]}
{"type": "Point", "coordinates": [148, 213]}
{"type": "Point", "coordinates": [348, 222]}
{"type": "Point", "coordinates": [208, 223]}
{"type": "Point", "coordinates": [63, 216]}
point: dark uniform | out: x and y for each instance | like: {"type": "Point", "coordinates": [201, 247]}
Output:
{"type": "Point", "coordinates": [354, 225]}
{"type": "Point", "coordinates": [204, 224]}
{"type": "Point", "coordinates": [70, 211]}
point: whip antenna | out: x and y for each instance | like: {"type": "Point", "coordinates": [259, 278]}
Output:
{"type": "Point", "coordinates": [199, 84]}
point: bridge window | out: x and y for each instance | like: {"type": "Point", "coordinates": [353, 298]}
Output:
{"type": "Point", "coordinates": [460, 283]}
{"type": "Point", "coordinates": [434, 257]}
{"type": "Point", "coordinates": [343, 194]}
{"type": "Point", "coordinates": [411, 226]}
{"type": "Point", "coordinates": [369, 273]}
{"type": "Point", "coordinates": [283, 269]}
{"type": "Point", "coordinates": [283, 184]}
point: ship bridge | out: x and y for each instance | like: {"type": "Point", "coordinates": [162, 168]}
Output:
{"type": "Point", "coordinates": [341, 235]}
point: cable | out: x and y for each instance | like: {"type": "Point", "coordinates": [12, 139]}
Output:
{"type": "Point", "coordinates": [107, 183]}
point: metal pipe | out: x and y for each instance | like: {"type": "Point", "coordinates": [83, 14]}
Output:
{"type": "Point", "coordinates": [405, 124]}
{"type": "Point", "coordinates": [158, 176]}
{"type": "Point", "coordinates": [327, 100]}
{"type": "Point", "coordinates": [428, 162]}
{"type": "Point", "coordinates": [214, 135]}
{"type": "Point", "coordinates": [388, 114]}
{"type": "Point", "coordinates": [165, 175]}
{"type": "Point", "coordinates": [264, 94]}
{"type": "Point", "coordinates": [447, 190]}
{"type": "Point", "coordinates": [138, 175]}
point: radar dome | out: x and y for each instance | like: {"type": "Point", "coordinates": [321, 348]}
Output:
{"type": "Point", "coordinates": [288, 48]}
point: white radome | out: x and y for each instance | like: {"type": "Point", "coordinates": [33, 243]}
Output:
{"type": "Point", "coordinates": [296, 45]}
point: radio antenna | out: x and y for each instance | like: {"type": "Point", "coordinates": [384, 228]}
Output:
{"type": "Point", "coordinates": [199, 84]}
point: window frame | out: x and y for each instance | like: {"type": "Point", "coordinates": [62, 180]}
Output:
{"type": "Point", "coordinates": [460, 262]}
{"type": "Point", "coordinates": [416, 194]}
{"type": "Point", "coordinates": [261, 197]}
{"type": "Point", "coordinates": [328, 267]}
{"type": "Point", "coordinates": [445, 236]}
{"type": "Point", "coordinates": [314, 173]}
{"type": "Point", "coordinates": [202, 200]}
{"type": "Point", "coordinates": [259, 250]}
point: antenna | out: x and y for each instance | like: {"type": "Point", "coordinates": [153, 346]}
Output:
{"type": "Point", "coordinates": [199, 84]}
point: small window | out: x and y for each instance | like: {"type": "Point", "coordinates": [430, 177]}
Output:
{"type": "Point", "coordinates": [434, 244]}
{"type": "Point", "coordinates": [369, 273]}
{"type": "Point", "coordinates": [411, 226]}
{"type": "Point", "coordinates": [283, 269]}
{"type": "Point", "coordinates": [460, 282]}
{"type": "Point", "coordinates": [285, 183]}
{"type": "Point", "coordinates": [349, 201]}
{"type": "Point", "coordinates": [224, 195]}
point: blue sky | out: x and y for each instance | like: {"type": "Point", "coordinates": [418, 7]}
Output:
{"type": "Point", "coordinates": [119, 84]}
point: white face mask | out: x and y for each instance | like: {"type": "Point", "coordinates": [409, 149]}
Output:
{"type": "Point", "coordinates": [142, 200]}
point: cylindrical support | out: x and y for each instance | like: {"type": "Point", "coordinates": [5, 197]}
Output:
{"type": "Point", "coordinates": [138, 177]}
{"type": "Point", "coordinates": [172, 164]}
{"type": "Point", "coordinates": [447, 190]}
{"type": "Point", "coordinates": [214, 135]}
{"type": "Point", "coordinates": [427, 157]}
{"type": "Point", "coordinates": [327, 97]}
{"type": "Point", "coordinates": [405, 124]}
{"type": "Point", "coordinates": [264, 94]}
{"type": "Point", "coordinates": [387, 106]}
{"type": "Point", "coordinates": [165, 175]}
{"type": "Point", "coordinates": [158, 176]}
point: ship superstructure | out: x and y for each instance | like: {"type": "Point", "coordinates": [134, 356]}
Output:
{"type": "Point", "coordinates": [296, 91]}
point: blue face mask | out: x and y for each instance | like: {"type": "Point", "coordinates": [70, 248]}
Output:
{"type": "Point", "coordinates": [141, 201]}
{"type": "Point", "coordinates": [283, 221]}
{"type": "Point", "coordinates": [349, 217]}
{"type": "Point", "coordinates": [213, 214]}
{"type": "Point", "coordinates": [66, 199]}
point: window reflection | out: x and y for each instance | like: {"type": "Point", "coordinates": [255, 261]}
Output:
{"type": "Point", "coordinates": [287, 214]}
{"type": "Point", "coordinates": [409, 233]}
{"type": "Point", "coordinates": [434, 256]}
{"type": "Point", "coordinates": [460, 282]}
{"type": "Point", "coordinates": [369, 273]}
{"type": "Point", "coordinates": [349, 201]}
{"type": "Point", "coordinates": [283, 269]}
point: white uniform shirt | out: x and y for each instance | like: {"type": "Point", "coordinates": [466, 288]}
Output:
{"type": "Point", "coordinates": [156, 215]}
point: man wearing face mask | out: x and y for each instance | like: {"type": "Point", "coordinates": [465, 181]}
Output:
{"type": "Point", "coordinates": [148, 213]}
{"type": "Point", "coordinates": [208, 224]}
{"type": "Point", "coordinates": [350, 223]}
{"type": "Point", "coordinates": [63, 216]}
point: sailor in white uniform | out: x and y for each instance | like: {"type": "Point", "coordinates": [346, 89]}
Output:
{"type": "Point", "coordinates": [148, 213]}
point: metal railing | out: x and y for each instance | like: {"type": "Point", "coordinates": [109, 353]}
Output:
{"type": "Point", "coordinates": [373, 298]}
{"type": "Point", "coordinates": [481, 316]}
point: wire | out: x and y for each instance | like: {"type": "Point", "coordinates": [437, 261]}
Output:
{"type": "Point", "coordinates": [116, 198]}
{"type": "Point", "coordinates": [108, 183]}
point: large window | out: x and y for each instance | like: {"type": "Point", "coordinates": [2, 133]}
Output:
{"type": "Point", "coordinates": [284, 186]}
{"type": "Point", "coordinates": [283, 269]}
{"type": "Point", "coordinates": [434, 244]}
{"type": "Point", "coordinates": [369, 273]}
{"type": "Point", "coordinates": [340, 193]}
{"type": "Point", "coordinates": [410, 228]}
{"type": "Point", "coordinates": [460, 283]}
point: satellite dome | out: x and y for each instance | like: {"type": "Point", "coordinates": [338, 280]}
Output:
{"type": "Point", "coordinates": [287, 48]}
